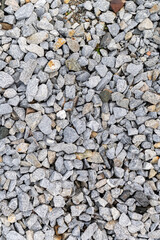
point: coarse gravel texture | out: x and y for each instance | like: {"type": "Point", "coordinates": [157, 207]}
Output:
{"type": "Point", "coordinates": [79, 120]}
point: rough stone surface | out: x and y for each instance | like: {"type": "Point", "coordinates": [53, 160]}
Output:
{"type": "Point", "coordinates": [70, 135]}
{"type": "Point", "coordinates": [5, 80]}
{"type": "Point", "coordinates": [79, 119]}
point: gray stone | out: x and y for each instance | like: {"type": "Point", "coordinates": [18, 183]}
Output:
{"type": "Point", "coordinates": [88, 233]}
{"type": "Point", "coordinates": [104, 81]}
{"type": "Point", "coordinates": [141, 198]}
{"type": "Point", "coordinates": [121, 85]}
{"type": "Point", "coordinates": [154, 234]}
{"type": "Point", "coordinates": [13, 235]}
{"type": "Point", "coordinates": [3, 132]}
{"type": "Point", "coordinates": [152, 61]}
{"type": "Point", "coordinates": [67, 148]}
{"type": "Point", "coordinates": [105, 95]}
{"type": "Point", "coordinates": [87, 51]}
{"type": "Point", "coordinates": [109, 61]}
{"type": "Point", "coordinates": [110, 153]}
{"type": "Point", "coordinates": [114, 29]}
{"type": "Point", "coordinates": [102, 5]}
{"type": "Point", "coordinates": [10, 93]}
{"type": "Point", "coordinates": [2, 64]}
{"type": "Point", "coordinates": [70, 92]}
{"type": "Point", "coordinates": [38, 174]}
{"type": "Point", "coordinates": [55, 188]}
{"type": "Point", "coordinates": [11, 175]}
{"type": "Point", "coordinates": [42, 93]}
{"type": "Point", "coordinates": [13, 33]}
{"type": "Point", "coordinates": [106, 40]}
{"type": "Point", "coordinates": [93, 81]}
{"type": "Point", "coordinates": [59, 201]}
{"type": "Point", "coordinates": [73, 45]}
{"type": "Point", "coordinates": [28, 70]}
{"type": "Point", "coordinates": [39, 235]}
{"type": "Point", "coordinates": [77, 210]}
{"type": "Point", "coordinates": [130, 6]}
{"type": "Point", "coordinates": [44, 24]}
{"type": "Point", "coordinates": [125, 195]}
{"type": "Point", "coordinates": [119, 112]}
{"type": "Point", "coordinates": [88, 5]}
{"type": "Point", "coordinates": [73, 65]}
{"type": "Point", "coordinates": [41, 211]}
{"type": "Point", "coordinates": [34, 48]}
{"type": "Point", "coordinates": [24, 12]}
{"type": "Point", "coordinates": [32, 88]}
{"type": "Point", "coordinates": [121, 59]}
{"type": "Point", "coordinates": [124, 220]}
{"type": "Point", "coordinates": [134, 69]}
{"type": "Point", "coordinates": [79, 125]}
{"type": "Point", "coordinates": [107, 17]}
{"type": "Point", "coordinates": [5, 80]}
{"type": "Point", "coordinates": [5, 108]}
{"type": "Point", "coordinates": [24, 202]}
{"type": "Point", "coordinates": [16, 52]}
{"type": "Point", "coordinates": [70, 135]}
{"type": "Point", "coordinates": [101, 70]}
{"type": "Point", "coordinates": [121, 232]}
{"type": "Point", "coordinates": [45, 125]}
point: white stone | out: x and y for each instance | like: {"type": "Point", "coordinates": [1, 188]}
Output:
{"type": "Point", "coordinates": [52, 66]}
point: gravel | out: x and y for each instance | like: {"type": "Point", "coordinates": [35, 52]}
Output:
{"type": "Point", "coordinates": [79, 120]}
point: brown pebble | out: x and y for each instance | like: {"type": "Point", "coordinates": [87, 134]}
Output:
{"type": "Point", "coordinates": [116, 5]}
{"type": "Point", "coordinates": [6, 26]}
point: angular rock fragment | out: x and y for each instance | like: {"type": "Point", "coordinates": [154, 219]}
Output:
{"type": "Point", "coordinates": [151, 97]}
{"type": "Point", "coordinates": [3, 132]}
{"type": "Point", "coordinates": [70, 135]}
{"type": "Point", "coordinates": [73, 65]}
{"type": "Point", "coordinates": [5, 80]}
{"type": "Point", "coordinates": [116, 5]}
{"type": "Point", "coordinates": [105, 95]}
{"type": "Point", "coordinates": [52, 66]}
{"type": "Point", "coordinates": [28, 70]}
{"type": "Point", "coordinates": [33, 120]}
{"type": "Point", "coordinates": [141, 198]}
{"type": "Point", "coordinates": [38, 37]}
{"type": "Point", "coordinates": [24, 12]}
{"type": "Point", "coordinates": [58, 43]}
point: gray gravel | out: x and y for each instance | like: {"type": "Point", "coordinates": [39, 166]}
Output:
{"type": "Point", "coordinates": [79, 120]}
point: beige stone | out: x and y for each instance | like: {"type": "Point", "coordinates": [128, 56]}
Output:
{"type": "Point", "coordinates": [101, 183]}
{"type": "Point", "coordinates": [73, 45]}
{"type": "Point", "coordinates": [146, 24]}
{"type": "Point", "coordinates": [157, 145]}
{"type": "Point", "coordinates": [95, 158]}
{"type": "Point", "coordinates": [152, 173]}
{"type": "Point", "coordinates": [58, 43]}
{"type": "Point", "coordinates": [155, 75]}
{"type": "Point", "coordinates": [110, 225]}
{"type": "Point", "coordinates": [155, 160]}
{"type": "Point", "coordinates": [88, 107]}
{"type": "Point", "coordinates": [38, 37]}
{"type": "Point", "coordinates": [128, 36]}
{"type": "Point", "coordinates": [51, 157]}
{"type": "Point", "coordinates": [12, 218]}
{"type": "Point", "coordinates": [154, 9]}
{"type": "Point", "coordinates": [22, 147]}
{"type": "Point", "coordinates": [152, 123]}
